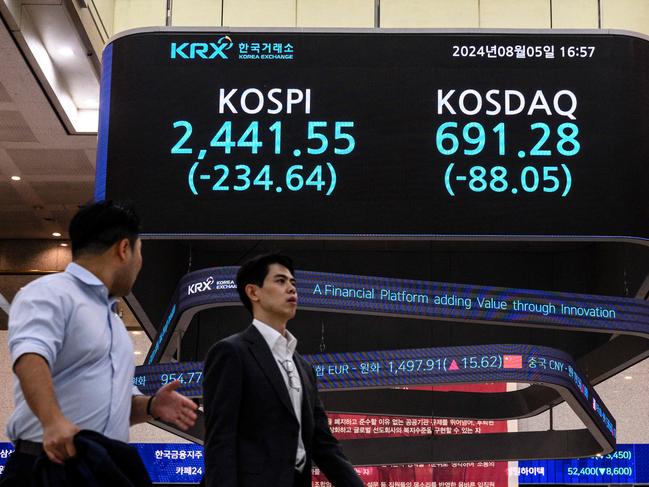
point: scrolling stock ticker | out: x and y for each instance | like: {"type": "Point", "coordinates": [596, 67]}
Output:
{"type": "Point", "coordinates": [481, 305]}
{"type": "Point", "coordinates": [499, 134]}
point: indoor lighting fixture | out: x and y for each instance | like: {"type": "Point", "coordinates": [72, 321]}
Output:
{"type": "Point", "coordinates": [16, 178]}
{"type": "Point", "coordinates": [66, 52]}
{"type": "Point", "coordinates": [628, 377]}
{"type": "Point", "coordinates": [56, 234]}
{"type": "Point", "coordinates": [137, 352]}
{"type": "Point", "coordinates": [136, 332]}
{"type": "Point", "coordinates": [64, 245]}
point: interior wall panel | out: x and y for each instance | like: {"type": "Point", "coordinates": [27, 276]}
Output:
{"type": "Point", "coordinates": [259, 13]}
{"type": "Point", "coordinates": [130, 14]}
{"type": "Point", "coordinates": [626, 15]}
{"type": "Point", "coordinates": [430, 13]}
{"type": "Point", "coordinates": [18, 256]}
{"type": "Point", "coordinates": [196, 13]}
{"type": "Point", "coordinates": [575, 14]}
{"type": "Point", "coordinates": [106, 11]}
{"type": "Point", "coordinates": [515, 14]}
{"type": "Point", "coordinates": [335, 13]}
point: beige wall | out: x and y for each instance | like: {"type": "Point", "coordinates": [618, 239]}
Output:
{"type": "Point", "coordinates": [130, 14]}
{"type": "Point", "coordinates": [514, 14]}
{"type": "Point", "coordinates": [625, 397]}
{"type": "Point", "coordinates": [335, 13]}
{"type": "Point", "coordinates": [253, 13]}
{"type": "Point", "coordinates": [105, 9]}
{"type": "Point", "coordinates": [119, 15]}
{"type": "Point", "coordinates": [430, 13]}
{"type": "Point", "coordinates": [626, 14]}
{"type": "Point", "coordinates": [575, 14]}
{"type": "Point", "coordinates": [196, 12]}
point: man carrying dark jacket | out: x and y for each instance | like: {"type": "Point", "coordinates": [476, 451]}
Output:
{"type": "Point", "coordinates": [71, 354]}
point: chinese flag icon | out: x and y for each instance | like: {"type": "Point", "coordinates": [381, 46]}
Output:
{"type": "Point", "coordinates": [512, 361]}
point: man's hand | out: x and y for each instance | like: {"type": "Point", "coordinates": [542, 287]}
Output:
{"type": "Point", "coordinates": [36, 382]}
{"type": "Point", "coordinates": [58, 440]}
{"type": "Point", "coordinates": [174, 408]}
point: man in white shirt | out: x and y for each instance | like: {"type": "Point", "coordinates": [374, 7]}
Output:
{"type": "Point", "coordinates": [72, 356]}
{"type": "Point", "coordinates": [264, 421]}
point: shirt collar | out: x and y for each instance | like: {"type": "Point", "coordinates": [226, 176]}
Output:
{"type": "Point", "coordinates": [83, 274]}
{"type": "Point", "coordinates": [276, 342]}
{"type": "Point", "coordinates": [88, 278]}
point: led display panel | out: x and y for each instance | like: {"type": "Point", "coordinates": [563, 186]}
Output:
{"type": "Point", "coordinates": [183, 463]}
{"type": "Point", "coordinates": [628, 464]}
{"type": "Point", "coordinates": [396, 134]}
{"type": "Point", "coordinates": [345, 293]}
{"type": "Point", "coordinates": [454, 365]}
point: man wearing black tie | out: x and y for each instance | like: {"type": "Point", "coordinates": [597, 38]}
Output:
{"type": "Point", "coordinates": [264, 421]}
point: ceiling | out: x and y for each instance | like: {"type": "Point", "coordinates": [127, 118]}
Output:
{"type": "Point", "coordinates": [56, 168]}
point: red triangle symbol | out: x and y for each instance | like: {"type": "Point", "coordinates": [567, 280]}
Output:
{"type": "Point", "coordinates": [453, 366]}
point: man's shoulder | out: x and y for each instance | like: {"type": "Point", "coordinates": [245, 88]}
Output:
{"type": "Point", "coordinates": [50, 279]}
{"type": "Point", "coordinates": [58, 284]}
{"type": "Point", "coordinates": [237, 339]}
{"type": "Point", "coordinates": [233, 343]}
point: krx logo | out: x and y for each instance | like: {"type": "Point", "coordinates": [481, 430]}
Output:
{"type": "Point", "coordinates": [199, 287]}
{"type": "Point", "coordinates": [203, 50]}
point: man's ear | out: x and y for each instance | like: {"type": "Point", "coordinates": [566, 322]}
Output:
{"type": "Point", "coordinates": [122, 248]}
{"type": "Point", "coordinates": [251, 291]}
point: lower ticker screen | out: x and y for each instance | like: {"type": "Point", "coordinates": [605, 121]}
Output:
{"type": "Point", "coordinates": [426, 366]}
{"type": "Point", "coordinates": [629, 464]}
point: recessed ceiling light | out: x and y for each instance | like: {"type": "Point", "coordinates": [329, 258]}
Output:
{"type": "Point", "coordinates": [66, 52]}
{"type": "Point", "coordinates": [16, 178]}
{"type": "Point", "coordinates": [137, 352]}
{"type": "Point", "coordinates": [628, 377]}
{"type": "Point", "coordinates": [56, 234]}
{"type": "Point", "coordinates": [136, 332]}
{"type": "Point", "coordinates": [64, 245]}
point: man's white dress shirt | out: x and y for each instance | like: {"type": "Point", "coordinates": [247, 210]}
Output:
{"type": "Point", "coordinates": [283, 349]}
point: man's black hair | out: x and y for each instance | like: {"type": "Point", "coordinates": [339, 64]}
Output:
{"type": "Point", "coordinates": [97, 227]}
{"type": "Point", "coordinates": [255, 271]}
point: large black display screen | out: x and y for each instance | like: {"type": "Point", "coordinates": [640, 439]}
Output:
{"type": "Point", "coordinates": [398, 134]}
